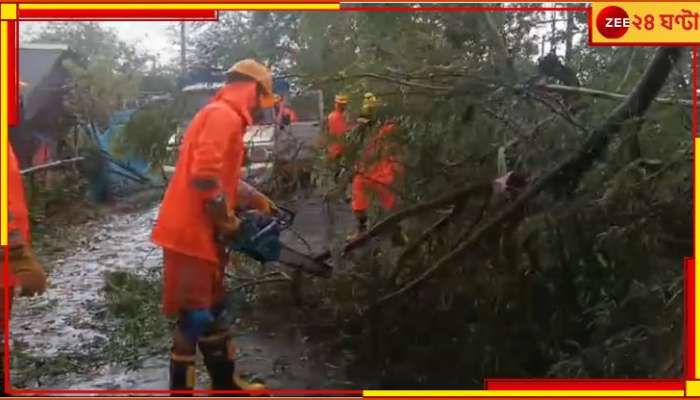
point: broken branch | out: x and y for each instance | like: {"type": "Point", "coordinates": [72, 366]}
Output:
{"type": "Point", "coordinates": [390, 221]}
{"type": "Point", "coordinates": [260, 282]}
{"type": "Point", "coordinates": [574, 166]}
{"type": "Point", "coordinates": [51, 165]}
{"type": "Point", "coordinates": [607, 95]}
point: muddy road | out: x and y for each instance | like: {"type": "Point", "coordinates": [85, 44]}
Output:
{"type": "Point", "coordinates": [62, 339]}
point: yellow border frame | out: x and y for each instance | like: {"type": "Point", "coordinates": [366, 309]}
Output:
{"type": "Point", "coordinates": [10, 11]}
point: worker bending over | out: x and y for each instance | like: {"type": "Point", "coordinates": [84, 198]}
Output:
{"type": "Point", "coordinates": [337, 127]}
{"type": "Point", "coordinates": [197, 217]}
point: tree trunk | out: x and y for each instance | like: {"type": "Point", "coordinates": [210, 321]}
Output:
{"type": "Point", "coordinates": [183, 46]}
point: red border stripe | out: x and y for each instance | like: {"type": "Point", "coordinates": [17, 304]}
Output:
{"type": "Point", "coordinates": [585, 384]}
{"type": "Point", "coordinates": [12, 66]}
{"type": "Point", "coordinates": [523, 384]}
{"type": "Point", "coordinates": [116, 14]}
{"type": "Point", "coordinates": [695, 95]}
{"type": "Point", "coordinates": [6, 314]}
{"type": "Point", "coordinates": [689, 311]}
{"type": "Point", "coordinates": [350, 7]}
{"type": "Point", "coordinates": [183, 392]}
{"type": "Point", "coordinates": [169, 2]}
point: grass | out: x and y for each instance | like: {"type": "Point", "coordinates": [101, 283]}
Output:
{"type": "Point", "coordinates": [140, 329]}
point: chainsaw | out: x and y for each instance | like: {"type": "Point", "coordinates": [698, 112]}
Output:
{"type": "Point", "coordinates": [259, 238]}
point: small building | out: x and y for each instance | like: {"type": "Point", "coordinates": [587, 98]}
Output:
{"type": "Point", "coordinates": [45, 120]}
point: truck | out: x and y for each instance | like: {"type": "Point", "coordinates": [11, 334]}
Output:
{"type": "Point", "coordinates": [281, 155]}
{"type": "Point", "coordinates": [278, 156]}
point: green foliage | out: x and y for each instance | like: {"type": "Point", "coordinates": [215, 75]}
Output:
{"type": "Point", "coordinates": [585, 286]}
{"type": "Point", "coordinates": [146, 135]}
{"type": "Point", "coordinates": [108, 71]}
{"type": "Point", "coordinates": [162, 82]}
{"type": "Point", "coordinates": [98, 90]}
{"type": "Point", "coordinates": [132, 300]}
{"type": "Point", "coordinates": [91, 41]}
{"type": "Point", "coordinates": [589, 286]}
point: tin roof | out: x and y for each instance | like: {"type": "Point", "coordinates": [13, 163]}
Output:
{"type": "Point", "coordinates": [36, 62]}
{"type": "Point", "coordinates": [44, 46]}
{"type": "Point", "coordinates": [204, 86]}
{"type": "Point", "coordinates": [40, 67]}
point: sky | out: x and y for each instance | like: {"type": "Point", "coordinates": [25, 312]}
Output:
{"type": "Point", "coordinates": [155, 38]}
{"type": "Point", "coordinates": [152, 37]}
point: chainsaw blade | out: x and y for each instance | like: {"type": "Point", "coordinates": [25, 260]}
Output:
{"type": "Point", "coordinates": [295, 259]}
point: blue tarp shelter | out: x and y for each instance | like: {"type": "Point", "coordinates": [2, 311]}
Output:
{"type": "Point", "coordinates": [121, 175]}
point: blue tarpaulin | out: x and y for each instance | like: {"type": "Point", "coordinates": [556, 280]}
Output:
{"type": "Point", "coordinates": [281, 87]}
{"type": "Point", "coordinates": [121, 175]}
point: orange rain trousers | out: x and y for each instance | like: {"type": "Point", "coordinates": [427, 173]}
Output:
{"type": "Point", "coordinates": [378, 178]}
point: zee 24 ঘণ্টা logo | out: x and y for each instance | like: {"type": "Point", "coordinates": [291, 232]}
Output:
{"type": "Point", "coordinates": [613, 22]}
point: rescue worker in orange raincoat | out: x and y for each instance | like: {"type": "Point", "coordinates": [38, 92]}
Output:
{"type": "Point", "coordinates": [378, 169]}
{"type": "Point", "coordinates": [285, 115]}
{"type": "Point", "coordinates": [25, 275]}
{"type": "Point", "coordinates": [197, 215]}
{"type": "Point", "coordinates": [337, 127]}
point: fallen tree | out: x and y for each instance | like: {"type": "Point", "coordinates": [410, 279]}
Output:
{"type": "Point", "coordinates": [569, 172]}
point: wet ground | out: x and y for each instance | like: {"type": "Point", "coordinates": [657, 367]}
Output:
{"type": "Point", "coordinates": [64, 333]}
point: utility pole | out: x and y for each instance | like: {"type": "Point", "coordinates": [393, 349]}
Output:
{"type": "Point", "coordinates": [183, 46]}
{"type": "Point", "coordinates": [569, 36]}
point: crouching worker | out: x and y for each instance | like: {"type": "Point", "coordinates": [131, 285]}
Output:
{"type": "Point", "coordinates": [197, 217]}
{"type": "Point", "coordinates": [26, 276]}
{"type": "Point", "coordinates": [378, 169]}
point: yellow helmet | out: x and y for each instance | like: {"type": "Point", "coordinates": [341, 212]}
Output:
{"type": "Point", "coordinates": [341, 99]}
{"type": "Point", "coordinates": [370, 103]}
{"type": "Point", "coordinates": [278, 99]}
{"type": "Point", "coordinates": [260, 74]}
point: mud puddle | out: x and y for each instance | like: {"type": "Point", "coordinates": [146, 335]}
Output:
{"type": "Point", "coordinates": [60, 338]}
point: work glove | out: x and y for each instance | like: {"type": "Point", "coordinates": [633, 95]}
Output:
{"type": "Point", "coordinates": [227, 227]}
{"type": "Point", "coordinates": [251, 198]}
{"type": "Point", "coordinates": [263, 203]}
{"type": "Point", "coordinates": [225, 222]}
{"type": "Point", "coordinates": [31, 278]}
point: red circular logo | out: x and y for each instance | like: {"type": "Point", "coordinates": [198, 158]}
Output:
{"type": "Point", "coordinates": [612, 22]}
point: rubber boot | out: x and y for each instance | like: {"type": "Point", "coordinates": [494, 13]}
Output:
{"type": "Point", "coordinates": [219, 353]}
{"type": "Point", "coordinates": [183, 374]}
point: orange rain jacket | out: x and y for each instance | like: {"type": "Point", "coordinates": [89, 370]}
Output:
{"type": "Point", "coordinates": [377, 172]}
{"type": "Point", "coordinates": [337, 128]}
{"type": "Point", "coordinates": [18, 214]}
{"type": "Point", "coordinates": [212, 148]}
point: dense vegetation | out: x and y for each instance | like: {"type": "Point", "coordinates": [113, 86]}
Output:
{"type": "Point", "coordinates": [579, 274]}
{"type": "Point", "coordinates": [575, 273]}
